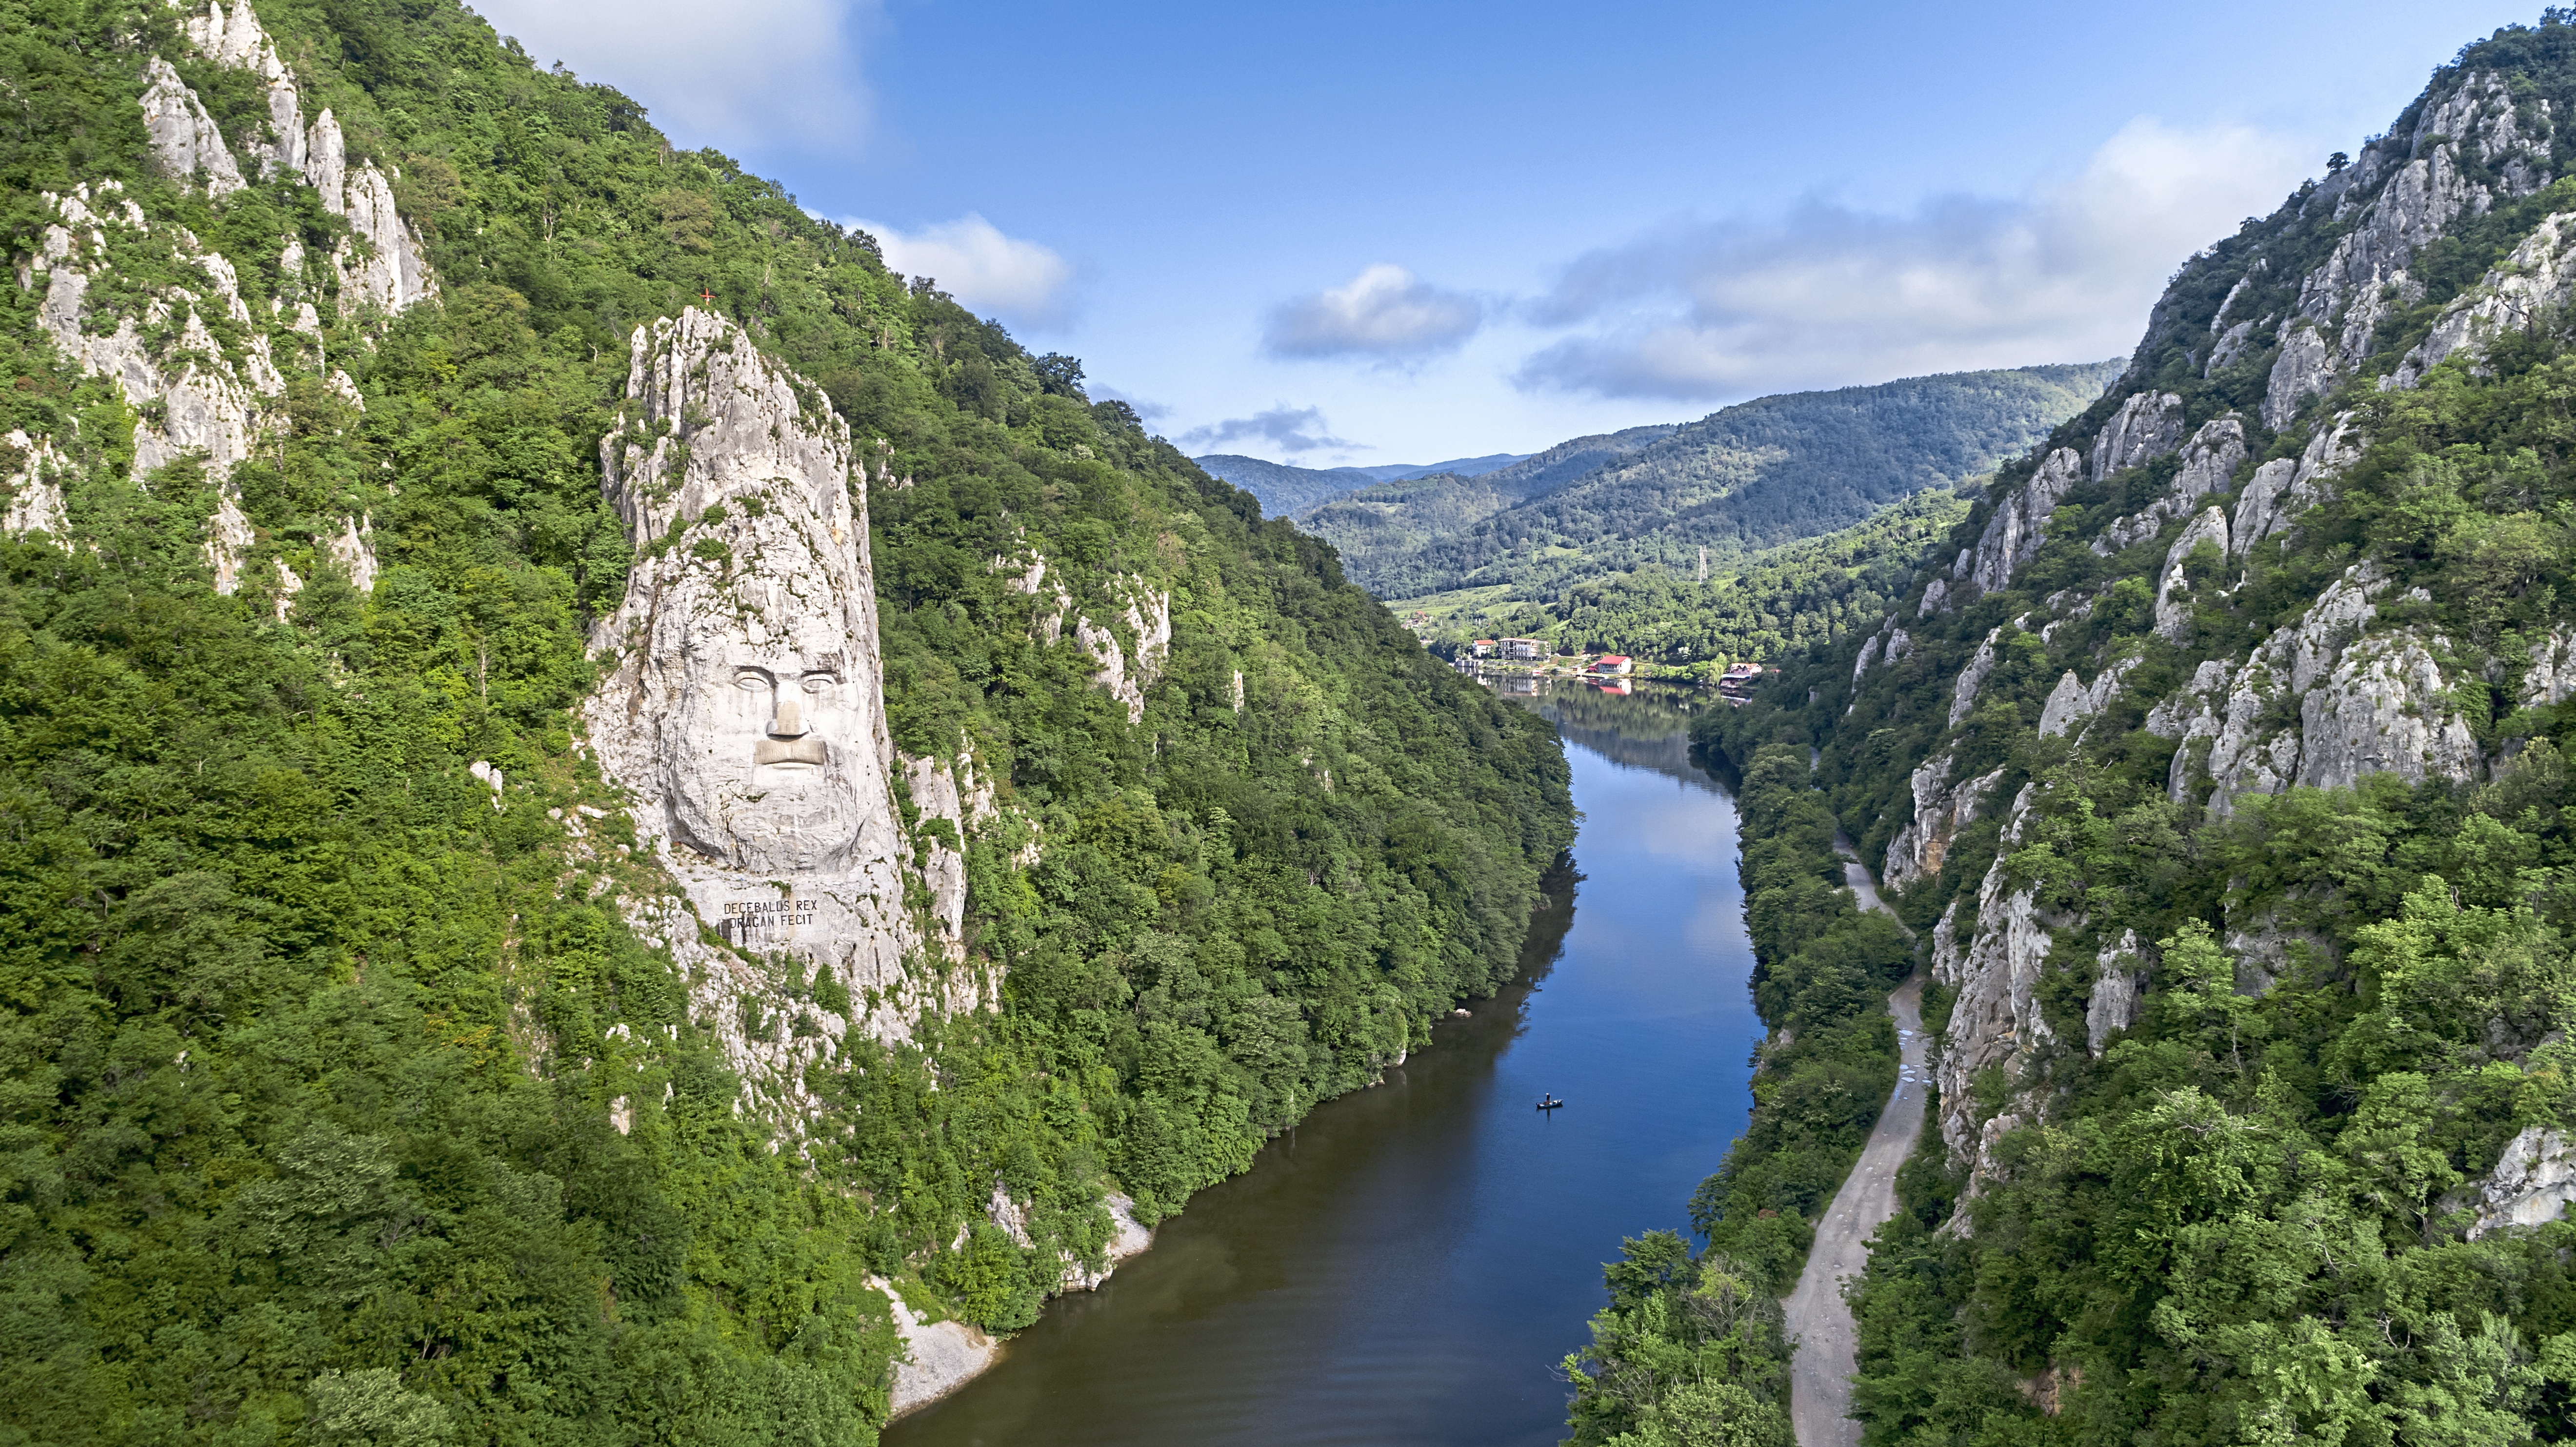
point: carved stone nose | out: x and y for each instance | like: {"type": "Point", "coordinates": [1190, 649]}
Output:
{"type": "Point", "coordinates": [789, 721]}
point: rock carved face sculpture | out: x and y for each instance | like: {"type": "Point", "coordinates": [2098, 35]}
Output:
{"type": "Point", "coordinates": [777, 740]}
{"type": "Point", "coordinates": [746, 707]}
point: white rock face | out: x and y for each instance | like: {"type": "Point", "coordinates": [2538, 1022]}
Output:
{"type": "Point", "coordinates": [2146, 427]}
{"type": "Point", "coordinates": [2231, 344]}
{"type": "Point", "coordinates": [1127, 1238]}
{"type": "Point", "coordinates": [2116, 985]}
{"type": "Point", "coordinates": [2173, 589]}
{"type": "Point", "coordinates": [1963, 691]}
{"type": "Point", "coordinates": [2552, 676]}
{"type": "Point", "coordinates": [1995, 1018]}
{"type": "Point", "coordinates": [2275, 499]}
{"type": "Point", "coordinates": [2019, 524]}
{"type": "Point", "coordinates": [2539, 278]}
{"type": "Point", "coordinates": [1940, 812]}
{"type": "Point", "coordinates": [237, 40]}
{"type": "Point", "coordinates": [2385, 711]}
{"type": "Point", "coordinates": [1936, 597]}
{"type": "Point", "coordinates": [228, 538]}
{"type": "Point", "coordinates": [36, 490]}
{"type": "Point", "coordinates": [954, 794]}
{"type": "Point", "coordinates": [1148, 616]}
{"type": "Point", "coordinates": [2306, 368]}
{"type": "Point", "coordinates": [380, 263]}
{"type": "Point", "coordinates": [2209, 462]}
{"type": "Point", "coordinates": [743, 704]}
{"type": "Point", "coordinates": [2256, 510]}
{"type": "Point", "coordinates": [184, 138]}
{"type": "Point", "coordinates": [2072, 701]}
{"type": "Point", "coordinates": [354, 549]}
{"type": "Point", "coordinates": [2530, 1185]}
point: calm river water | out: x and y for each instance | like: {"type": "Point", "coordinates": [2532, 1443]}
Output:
{"type": "Point", "coordinates": [1409, 1264]}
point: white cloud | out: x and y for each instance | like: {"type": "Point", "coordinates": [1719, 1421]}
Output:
{"type": "Point", "coordinates": [748, 75]}
{"type": "Point", "coordinates": [1831, 296]}
{"type": "Point", "coordinates": [1384, 312]}
{"type": "Point", "coordinates": [1290, 429]}
{"type": "Point", "coordinates": [985, 270]}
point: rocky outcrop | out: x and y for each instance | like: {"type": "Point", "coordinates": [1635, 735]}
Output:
{"type": "Point", "coordinates": [2146, 427]}
{"type": "Point", "coordinates": [742, 708]}
{"type": "Point", "coordinates": [229, 537]}
{"type": "Point", "coordinates": [1147, 612]}
{"type": "Point", "coordinates": [2117, 983]}
{"type": "Point", "coordinates": [35, 500]}
{"type": "Point", "coordinates": [353, 549]}
{"type": "Point", "coordinates": [2306, 368]}
{"type": "Point", "coordinates": [2280, 492]}
{"type": "Point", "coordinates": [2209, 463]}
{"type": "Point", "coordinates": [185, 140]}
{"type": "Point", "coordinates": [2173, 586]}
{"type": "Point", "coordinates": [1995, 1017]}
{"type": "Point", "coordinates": [236, 40]}
{"type": "Point", "coordinates": [2074, 701]}
{"type": "Point", "coordinates": [2475, 130]}
{"type": "Point", "coordinates": [2367, 704]}
{"type": "Point", "coordinates": [2532, 1183]}
{"type": "Point", "coordinates": [2019, 524]}
{"type": "Point", "coordinates": [2386, 710]}
{"type": "Point", "coordinates": [1127, 1238]}
{"type": "Point", "coordinates": [2551, 679]}
{"type": "Point", "coordinates": [1963, 690]}
{"type": "Point", "coordinates": [1940, 812]}
{"type": "Point", "coordinates": [953, 794]}
{"type": "Point", "coordinates": [2538, 279]}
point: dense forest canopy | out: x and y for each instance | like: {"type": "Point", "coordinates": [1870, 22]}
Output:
{"type": "Point", "coordinates": [345, 1101]}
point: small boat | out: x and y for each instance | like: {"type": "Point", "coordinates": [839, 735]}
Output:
{"type": "Point", "coordinates": [1549, 1102]}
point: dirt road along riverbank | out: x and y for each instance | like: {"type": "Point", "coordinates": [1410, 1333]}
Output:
{"type": "Point", "coordinates": [1819, 1320]}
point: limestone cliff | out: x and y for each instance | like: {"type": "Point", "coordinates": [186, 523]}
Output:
{"type": "Point", "coordinates": [206, 374]}
{"type": "Point", "coordinates": [2199, 480]}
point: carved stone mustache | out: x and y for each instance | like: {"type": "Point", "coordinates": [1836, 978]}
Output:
{"type": "Point", "coordinates": [807, 750]}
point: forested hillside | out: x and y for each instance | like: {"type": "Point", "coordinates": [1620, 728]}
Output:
{"type": "Point", "coordinates": [1743, 478]}
{"type": "Point", "coordinates": [1286, 491]}
{"type": "Point", "coordinates": [368, 1076]}
{"type": "Point", "coordinates": [2219, 757]}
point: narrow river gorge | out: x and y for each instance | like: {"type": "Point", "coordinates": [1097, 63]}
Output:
{"type": "Point", "coordinates": [1408, 1266]}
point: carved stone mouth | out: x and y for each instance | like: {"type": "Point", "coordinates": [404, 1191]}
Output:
{"type": "Point", "coordinates": [807, 750]}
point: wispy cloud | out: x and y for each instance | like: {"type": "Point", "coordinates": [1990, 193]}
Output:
{"type": "Point", "coordinates": [1831, 295]}
{"type": "Point", "coordinates": [740, 76]}
{"type": "Point", "coordinates": [1144, 410]}
{"type": "Point", "coordinates": [1385, 312]}
{"type": "Point", "coordinates": [987, 271]}
{"type": "Point", "coordinates": [1290, 429]}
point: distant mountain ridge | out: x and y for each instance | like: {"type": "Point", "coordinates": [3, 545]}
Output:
{"type": "Point", "coordinates": [1750, 476]}
{"type": "Point", "coordinates": [1286, 490]}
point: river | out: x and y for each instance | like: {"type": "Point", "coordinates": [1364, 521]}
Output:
{"type": "Point", "coordinates": [1407, 1267]}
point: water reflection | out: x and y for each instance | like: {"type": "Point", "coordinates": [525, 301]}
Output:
{"type": "Point", "coordinates": [1407, 1266]}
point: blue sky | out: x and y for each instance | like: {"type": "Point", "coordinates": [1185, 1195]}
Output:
{"type": "Point", "coordinates": [1330, 232]}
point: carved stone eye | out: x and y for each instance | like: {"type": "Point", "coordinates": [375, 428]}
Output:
{"type": "Point", "coordinates": [819, 682]}
{"type": "Point", "coordinates": [751, 683]}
